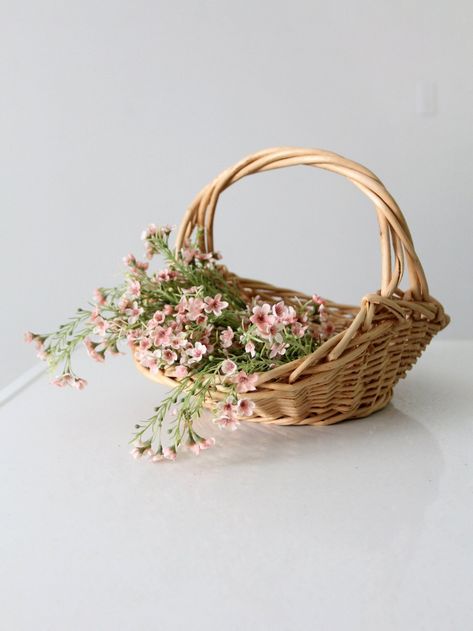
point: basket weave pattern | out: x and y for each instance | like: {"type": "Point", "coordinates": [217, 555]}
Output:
{"type": "Point", "coordinates": [353, 373]}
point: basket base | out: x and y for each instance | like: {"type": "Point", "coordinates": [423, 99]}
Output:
{"type": "Point", "coordinates": [362, 412]}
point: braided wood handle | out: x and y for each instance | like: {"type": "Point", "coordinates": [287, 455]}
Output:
{"type": "Point", "coordinates": [396, 240]}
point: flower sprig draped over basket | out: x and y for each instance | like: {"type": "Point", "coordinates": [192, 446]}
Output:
{"type": "Point", "coordinates": [189, 321]}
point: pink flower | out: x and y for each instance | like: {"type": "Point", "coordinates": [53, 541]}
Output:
{"type": "Point", "coordinates": [226, 422]}
{"type": "Point", "coordinates": [215, 305]}
{"type": "Point", "coordinates": [99, 297]}
{"type": "Point", "coordinates": [62, 380]}
{"type": "Point", "coordinates": [136, 453]}
{"type": "Point", "coordinates": [226, 337]}
{"type": "Point", "coordinates": [101, 326]}
{"type": "Point", "coordinates": [318, 300]}
{"type": "Point", "coordinates": [150, 361]}
{"type": "Point", "coordinates": [149, 232]}
{"type": "Point", "coordinates": [206, 443]}
{"type": "Point", "coordinates": [168, 309]}
{"type": "Point", "coordinates": [91, 346]}
{"type": "Point", "coordinates": [261, 316]}
{"type": "Point", "coordinates": [328, 328]}
{"type": "Point", "coordinates": [123, 303]}
{"type": "Point", "coordinates": [228, 367]}
{"type": "Point", "coordinates": [133, 313]}
{"type": "Point", "coordinates": [279, 309]}
{"type": "Point", "coordinates": [129, 260]}
{"type": "Point", "coordinates": [250, 348]}
{"type": "Point", "coordinates": [169, 356]}
{"type": "Point", "coordinates": [169, 453]}
{"type": "Point", "coordinates": [166, 275]}
{"type": "Point", "coordinates": [244, 382]}
{"type": "Point", "coordinates": [196, 352]}
{"type": "Point", "coordinates": [145, 343]}
{"type": "Point", "coordinates": [178, 341]}
{"type": "Point", "coordinates": [270, 330]}
{"type": "Point", "coordinates": [134, 289]}
{"type": "Point", "coordinates": [182, 371]}
{"type": "Point", "coordinates": [245, 407]}
{"type": "Point", "coordinates": [194, 308]}
{"type": "Point", "coordinates": [78, 383]}
{"type": "Point", "coordinates": [278, 349]}
{"type": "Point", "coordinates": [298, 329]}
{"type": "Point", "coordinates": [227, 407]}
{"type": "Point", "coordinates": [189, 253]}
{"type": "Point", "coordinates": [290, 316]}
{"type": "Point", "coordinates": [162, 336]}
{"type": "Point", "coordinates": [141, 265]}
{"type": "Point", "coordinates": [29, 337]}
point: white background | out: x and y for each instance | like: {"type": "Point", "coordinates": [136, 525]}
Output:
{"type": "Point", "coordinates": [114, 114]}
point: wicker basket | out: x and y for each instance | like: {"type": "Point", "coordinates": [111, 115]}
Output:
{"type": "Point", "coordinates": [353, 373]}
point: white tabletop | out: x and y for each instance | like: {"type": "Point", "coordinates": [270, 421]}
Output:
{"type": "Point", "coordinates": [362, 525]}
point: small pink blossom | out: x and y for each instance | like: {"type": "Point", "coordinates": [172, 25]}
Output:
{"type": "Point", "coordinates": [150, 231]}
{"type": "Point", "coordinates": [197, 352]}
{"type": "Point", "coordinates": [29, 337]}
{"type": "Point", "coordinates": [215, 305]}
{"type": "Point", "coordinates": [158, 317]}
{"type": "Point", "coordinates": [168, 309]}
{"type": "Point", "coordinates": [123, 303]}
{"type": "Point", "coordinates": [250, 348]}
{"type": "Point", "coordinates": [79, 383]}
{"type": "Point", "coordinates": [62, 380]}
{"type": "Point", "coordinates": [298, 329]}
{"type": "Point", "coordinates": [141, 265]}
{"type": "Point", "coordinates": [226, 337]}
{"type": "Point", "coordinates": [129, 260]}
{"type": "Point", "coordinates": [278, 349]}
{"type": "Point", "coordinates": [166, 275]}
{"type": "Point", "coordinates": [145, 343]}
{"type": "Point", "coordinates": [226, 422]}
{"type": "Point", "coordinates": [150, 361]}
{"type": "Point", "coordinates": [270, 330]}
{"type": "Point", "coordinates": [137, 453]}
{"type": "Point", "coordinates": [261, 316]}
{"type": "Point", "coordinates": [169, 453]}
{"type": "Point", "coordinates": [227, 407]}
{"type": "Point", "coordinates": [99, 297]}
{"type": "Point", "coordinates": [279, 309]}
{"type": "Point", "coordinates": [94, 354]}
{"type": "Point", "coordinates": [181, 371]}
{"type": "Point", "coordinates": [228, 367]}
{"type": "Point", "coordinates": [206, 443]}
{"type": "Point", "coordinates": [178, 341]}
{"type": "Point", "coordinates": [101, 326]}
{"type": "Point", "coordinates": [189, 253]}
{"type": "Point", "coordinates": [290, 316]}
{"type": "Point", "coordinates": [318, 300]}
{"type": "Point", "coordinates": [133, 313]}
{"type": "Point", "coordinates": [162, 336]}
{"type": "Point", "coordinates": [245, 407]}
{"type": "Point", "coordinates": [328, 328]}
{"type": "Point", "coordinates": [245, 382]}
{"type": "Point", "coordinates": [194, 308]}
{"type": "Point", "coordinates": [134, 289]}
{"type": "Point", "coordinates": [169, 356]}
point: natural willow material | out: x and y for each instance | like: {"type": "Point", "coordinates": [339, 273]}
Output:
{"type": "Point", "coordinates": [353, 373]}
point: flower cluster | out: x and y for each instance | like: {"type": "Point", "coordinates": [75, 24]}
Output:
{"type": "Point", "coordinates": [190, 322]}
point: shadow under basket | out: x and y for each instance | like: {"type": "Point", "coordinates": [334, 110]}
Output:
{"type": "Point", "coordinates": [354, 372]}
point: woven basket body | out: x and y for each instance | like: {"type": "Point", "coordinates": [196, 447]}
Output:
{"type": "Point", "coordinates": [353, 373]}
